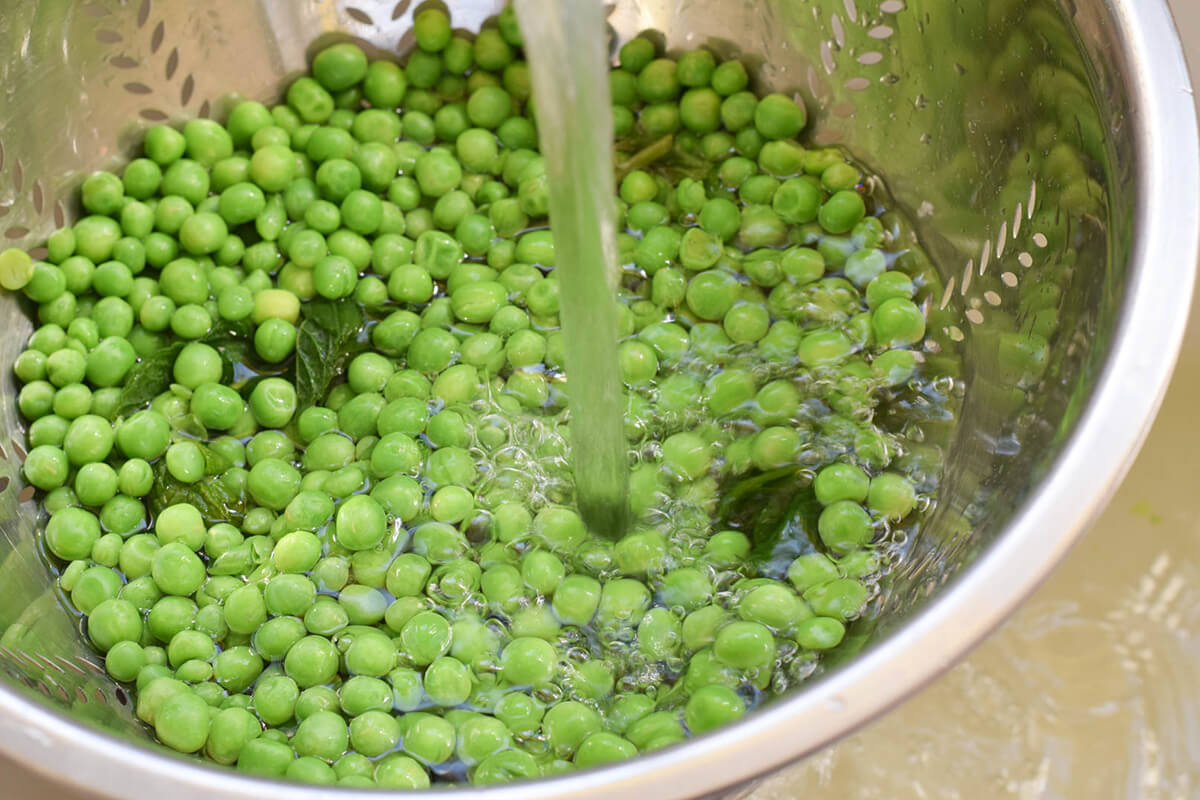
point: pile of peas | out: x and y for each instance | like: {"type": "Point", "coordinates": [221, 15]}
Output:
{"type": "Point", "coordinates": [402, 592]}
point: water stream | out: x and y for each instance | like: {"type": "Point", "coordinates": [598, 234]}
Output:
{"type": "Point", "coordinates": [569, 69]}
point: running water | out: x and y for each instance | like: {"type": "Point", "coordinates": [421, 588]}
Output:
{"type": "Point", "coordinates": [566, 46]}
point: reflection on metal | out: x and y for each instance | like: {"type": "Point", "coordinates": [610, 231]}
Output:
{"type": "Point", "coordinates": [1002, 128]}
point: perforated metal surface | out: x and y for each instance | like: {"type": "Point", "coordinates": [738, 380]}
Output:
{"type": "Point", "coordinates": [957, 104]}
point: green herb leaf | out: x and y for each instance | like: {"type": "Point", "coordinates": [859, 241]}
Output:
{"type": "Point", "coordinates": [152, 376]}
{"type": "Point", "coordinates": [647, 155]}
{"type": "Point", "coordinates": [237, 561]}
{"type": "Point", "coordinates": [149, 378]}
{"type": "Point", "coordinates": [235, 342]}
{"type": "Point", "coordinates": [777, 510]}
{"type": "Point", "coordinates": [189, 425]}
{"type": "Point", "coordinates": [326, 338]}
{"type": "Point", "coordinates": [210, 495]}
{"type": "Point", "coordinates": [662, 157]}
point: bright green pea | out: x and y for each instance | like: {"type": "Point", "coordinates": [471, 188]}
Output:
{"type": "Point", "coordinates": [898, 321]}
{"type": "Point", "coordinates": [375, 731]}
{"type": "Point", "coordinates": [603, 747]}
{"type": "Point", "coordinates": [425, 637]}
{"type": "Point", "coordinates": [812, 569]}
{"type": "Point", "coordinates": [112, 621]}
{"type": "Point", "coordinates": [399, 772]}
{"type": "Point", "coordinates": [384, 84]}
{"type": "Point", "coordinates": [891, 495]}
{"type": "Point", "coordinates": [711, 707]}
{"type": "Point", "coordinates": [841, 599]}
{"type": "Point", "coordinates": [273, 402]}
{"type": "Point", "coordinates": [448, 681]}
{"type": "Point", "coordinates": [841, 212]}
{"type": "Point", "coordinates": [822, 347]}
{"type": "Point", "coordinates": [845, 526]}
{"type": "Point", "coordinates": [430, 739]}
{"type": "Point", "coordinates": [820, 633]}
{"type": "Point", "coordinates": [312, 661]}
{"type": "Point", "coordinates": [182, 722]}
{"type": "Point", "coordinates": [837, 482]}
{"type": "Point", "coordinates": [864, 266]}
{"type": "Point", "coordinates": [568, 724]}
{"type": "Point", "coordinates": [744, 645]}
{"type": "Point", "coordinates": [773, 605]}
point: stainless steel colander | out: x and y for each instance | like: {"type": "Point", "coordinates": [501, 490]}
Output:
{"type": "Point", "coordinates": [1045, 151]}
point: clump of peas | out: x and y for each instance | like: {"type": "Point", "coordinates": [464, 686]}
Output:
{"type": "Point", "coordinates": [392, 586]}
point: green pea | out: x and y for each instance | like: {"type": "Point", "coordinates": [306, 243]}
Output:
{"type": "Point", "coordinates": [841, 212]}
{"type": "Point", "coordinates": [478, 302]}
{"type": "Point", "coordinates": [695, 68]}
{"type": "Point", "coordinates": [395, 453]}
{"type": "Point", "coordinates": [820, 633]}
{"type": "Point", "coordinates": [430, 739]}
{"type": "Point", "coordinates": [845, 526]}
{"type": "Point", "coordinates": [362, 694]}
{"type": "Point", "coordinates": [710, 294]}
{"type": "Point", "coordinates": [639, 363]}
{"type": "Point", "coordinates": [713, 706]}
{"type": "Point", "coordinates": [364, 605]}
{"type": "Point", "coordinates": [659, 634]}
{"type": "Point", "coordinates": [296, 552]}
{"type": "Point", "coordinates": [182, 722]}
{"type": "Point", "coordinates": [481, 737]}
{"type": "Point", "coordinates": [425, 637]}
{"type": "Point", "coordinates": [898, 321]}
{"type": "Point", "coordinates": [775, 606]}
{"type": "Point", "coordinates": [841, 599]}
{"type": "Point", "coordinates": [265, 757]}
{"type": "Point", "coordinates": [687, 588]}
{"type": "Point", "coordinates": [273, 482]}
{"type": "Point", "coordinates": [603, 747]}
{"type": "Point", "coordinates": [323, 734]}
{"type": "Point", "coordinates": [779, 159]}
{"type": "Point", "coordinates": [448, 681]}
{"type": "Point", "coordinates": [384, 84]}
{"type": "Point", "coordinates": [398, 772]}
{"type": "Point", "coordinates": [374, 732]}
{"type": "Point", "coordinates": [112, 621]}
{"type": "Point", "coordinates": [273, 402]}
{"type": "Point", "coordinates": [136, 555]}
{"type": "Point", "coordinates": [888, 285]}
{"type": "Point", "coordinates": [71, 533]}
{"type": "Point", "coordinates": [46, 467]}
{"type": "Point", "coordinates": [840, 482]}
{"type": "Point", "coordinates": [124, 660]}
{"type": "Point", "coordinates": [568, 724]}
{"type": "Point", "coordinates": [812, 569]}
{"type": "Point", "coordinates": [700, 627]}
{"type": "Point", "coordinates": [779, 117]}
{"type": "Point", "coordinates": [275, 637]}
{"type": "Point", "coordinates": [311, 661]}
{"type": "Point", "coordinates": [891, 495]}
{"type": "Point", "coordinates": [744, 645]}
{"type": "Point", "coordinates": [824, 347]}
{"type": "Point", "coordinates": [93, 587]}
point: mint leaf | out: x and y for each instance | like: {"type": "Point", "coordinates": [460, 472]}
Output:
{"type": "Point", "coordinates": [327, 337]}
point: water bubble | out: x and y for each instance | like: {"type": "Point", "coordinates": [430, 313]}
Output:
{"type": "Point", "coordinates": [548, 695]}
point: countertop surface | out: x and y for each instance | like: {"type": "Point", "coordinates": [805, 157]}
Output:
{"type": "Point", "coordinates": [1089, 692]}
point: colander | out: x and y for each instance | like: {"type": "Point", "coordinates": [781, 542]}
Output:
{"type": "Point", "coordinates": [1045, 152]}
